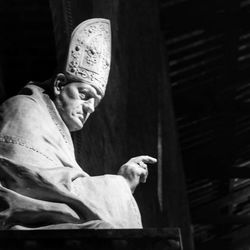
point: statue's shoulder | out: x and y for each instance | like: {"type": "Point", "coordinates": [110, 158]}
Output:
{"type": "Point", "coordinates": [32, 92]}
{"type": "Point", "coordinates": [29, 98]}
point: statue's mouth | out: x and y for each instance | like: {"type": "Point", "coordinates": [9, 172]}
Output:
{"type": "Point", "coordinates": [81, 117]}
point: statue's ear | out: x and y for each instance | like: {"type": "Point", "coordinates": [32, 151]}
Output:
{"type": "Point", "coordinates": [59, 82]}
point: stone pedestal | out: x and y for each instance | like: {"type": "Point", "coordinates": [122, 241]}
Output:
{"type": "Point", "coordinates": [115, 239]}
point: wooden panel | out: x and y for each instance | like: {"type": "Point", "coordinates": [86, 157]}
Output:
{"type": "Point", "coordinates": [207, 47]}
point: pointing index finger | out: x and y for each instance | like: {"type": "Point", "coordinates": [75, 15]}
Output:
{"type": "Point", "coordinates": [148, 159]}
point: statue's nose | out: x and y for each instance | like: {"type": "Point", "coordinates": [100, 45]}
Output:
{"type": "Point", "coordinates": [89, 106]}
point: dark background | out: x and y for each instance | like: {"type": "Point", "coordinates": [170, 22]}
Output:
{"type": "Point", "coordinates": [178, 90]}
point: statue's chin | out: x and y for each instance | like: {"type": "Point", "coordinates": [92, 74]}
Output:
{"type": "Point", "coordinates": [75, 124]}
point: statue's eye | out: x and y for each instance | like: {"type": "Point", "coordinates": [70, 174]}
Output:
{"type": "Point", "coordinates": [83, 96]}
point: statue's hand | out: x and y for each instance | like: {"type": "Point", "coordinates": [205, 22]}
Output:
{"type": "Point", "coordinates": [136, 170]}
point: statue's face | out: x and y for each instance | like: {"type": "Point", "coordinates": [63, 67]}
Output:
{"type": "Point", "coordinates": [75, 101]}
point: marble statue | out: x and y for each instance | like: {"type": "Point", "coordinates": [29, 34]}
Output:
{"type": "Point", "coordinates": [41, 184]}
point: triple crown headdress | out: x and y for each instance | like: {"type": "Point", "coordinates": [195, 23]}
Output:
{"type": "Point", "coordinates": [89, 53]}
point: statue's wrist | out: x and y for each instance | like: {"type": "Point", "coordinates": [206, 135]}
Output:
{"type": "Point", "coordinates": [129, 183]}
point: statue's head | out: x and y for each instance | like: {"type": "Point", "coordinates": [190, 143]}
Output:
{"type": "Point", "coordinates": [80, 88]}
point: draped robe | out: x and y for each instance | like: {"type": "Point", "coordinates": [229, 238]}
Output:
{"type": "Point", "coordinates": [41, 184]}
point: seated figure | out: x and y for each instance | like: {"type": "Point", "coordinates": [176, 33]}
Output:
{"type": "Point", "coordinates": [41, 184]}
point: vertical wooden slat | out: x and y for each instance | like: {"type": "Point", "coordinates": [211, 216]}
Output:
{"type": "Point", "coordinates": [175, 202]}
{"type": "Point", "coordinates": [142, 43]}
